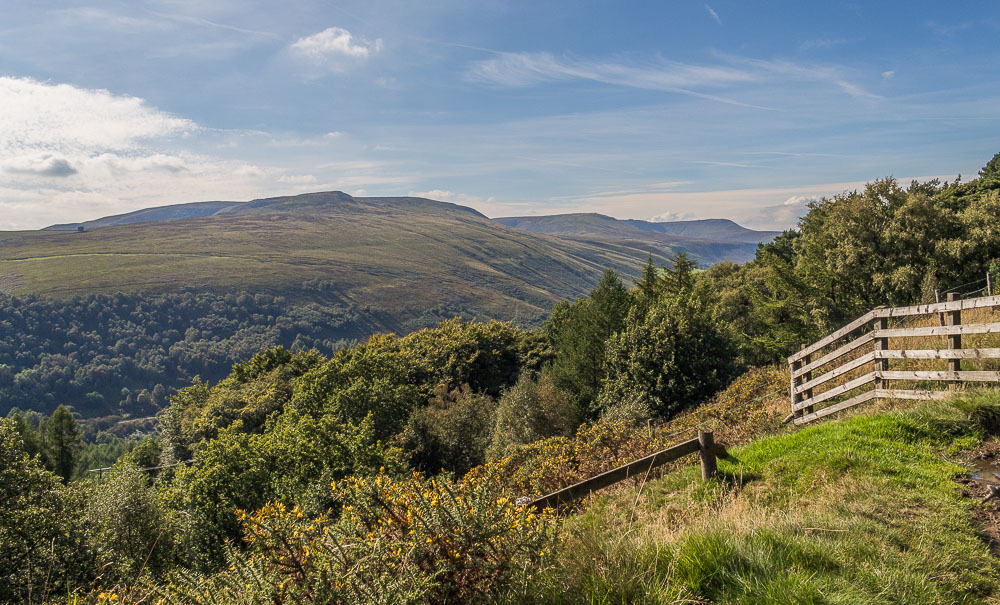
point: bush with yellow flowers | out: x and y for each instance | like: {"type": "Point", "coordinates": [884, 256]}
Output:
{"type": "Point", "coordinates": [395, 541]}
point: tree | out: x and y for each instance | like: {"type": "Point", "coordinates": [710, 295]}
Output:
{"type": "Point", "coordinates": [579, 333]}
{"type": "Point", "coordinates": [532, 410]}
{"type": "Point", "coordinates": [41, 540]}
{"type": "Point", "coordinates": [992, 168]}
{"type": "Point", "coordinates": [452, 432]}
{"type": "Point", "coordinates": [128, 532]}
{"type": "Point", "coordinates": [649, 285]}
{"type": "Point", "coordinates": [62, 442]}
{"type": "Point", "coordinates": [680, 276]}
{"type": "Point", "coordinates": [672, 357]}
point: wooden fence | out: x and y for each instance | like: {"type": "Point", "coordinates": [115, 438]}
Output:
{"type": "Point", "coordinates": [873, 328]}
{"type": "Point", "coordinates": [703, 443]}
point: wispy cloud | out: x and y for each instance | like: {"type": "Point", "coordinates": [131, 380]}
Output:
{"type": "Point", "coordinates": [443, 195]}
{"type": "Point", "coordinates": [822, 43]}
{"type": "Point", "coordinates": [520, 70]}
{"type": "Point", "coordinates": [732, 164]}
{"type": "Point", "coordinates": [714, 15]}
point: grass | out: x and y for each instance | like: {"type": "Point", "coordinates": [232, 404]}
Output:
{"type": "Point", "coordinates": [864, 510]}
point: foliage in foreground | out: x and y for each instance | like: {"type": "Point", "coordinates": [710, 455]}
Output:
{"type": "Point", "coordinates": [751, 406]}
{"type": "Point", "coordinates": [397, 541]}
{"type": "Point", "coordinates": [859, 511]}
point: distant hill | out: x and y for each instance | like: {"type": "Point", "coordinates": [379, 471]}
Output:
{"type": "Point", "coordinates": [148, 215]}
{"type": "Point", "coordinates": [411, 259]}
{"type": "Point", "coordinates": [675, 232]}
{"type": "Point", "coordinates": [210, 283]}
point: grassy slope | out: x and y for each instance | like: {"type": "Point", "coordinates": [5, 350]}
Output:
{"type": "Point", "coordinates": [864, 510]}
{"type": "Point", "coordinates": [402, 256]}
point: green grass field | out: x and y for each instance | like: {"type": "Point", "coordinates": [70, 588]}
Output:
{"type": "Point", "coordinates": [866, 510]}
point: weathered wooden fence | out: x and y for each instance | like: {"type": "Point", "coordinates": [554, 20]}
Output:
{"type": "Point", "coordinates": [703, 443]}
{"type": "Point", "coordinates": [873, 328]}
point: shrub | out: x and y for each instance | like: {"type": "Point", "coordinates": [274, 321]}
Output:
{"type": "Point", "coordinates": [398, 541]}
{"type": "Point", "coordinates": [532, 410]}
{"type": "Point", "coordinates": [451, 433]}
{"type": "Point", "coordinates": [128, 530]}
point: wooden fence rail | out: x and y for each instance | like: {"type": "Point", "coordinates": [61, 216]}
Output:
{"type": "Point", "coordinates": [804, 402]}
{"type": "Point", "coordinates": [704, 443]}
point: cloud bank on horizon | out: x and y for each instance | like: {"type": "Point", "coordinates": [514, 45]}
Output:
{"type": "Point", "coordinates": [668, 112]}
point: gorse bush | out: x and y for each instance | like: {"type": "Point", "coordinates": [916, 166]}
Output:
{"type": "Point", "coordinates": [397, 541]}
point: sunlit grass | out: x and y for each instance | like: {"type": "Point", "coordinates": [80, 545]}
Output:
{"type": "Point", "coordinates": [859, 511]}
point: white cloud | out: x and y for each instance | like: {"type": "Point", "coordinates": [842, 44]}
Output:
{"type": "Point", "coordinates": [822, 43]}
{"type": "Point", "coordinates": [298, 179]}
{"type": "Point", "coordinates": [60, 118]}
{"type": "Point", "coordinates": [797, 200]}
{"type": "Point", "coordinates": [450, 196]}
{"type": "Point", "coordinates": [668, 217]}
{"type": "Point", "coordinates": [713, 14]}
{"type": "Point", "coordinates": [330, 46]}
{"type": "Point", "coordinates": [886, 75]}
{"type": "Point", "coordinates": [44, 164]}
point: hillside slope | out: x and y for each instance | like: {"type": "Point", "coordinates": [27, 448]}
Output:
{"type": "Point", "coordinates": [876, 508]}
{"type": "Point", "coordinates": [149, 215]}
{"type": "Point", "coordinates": [404, 256]}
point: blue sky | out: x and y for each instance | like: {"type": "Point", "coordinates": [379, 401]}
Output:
{"type": "Point", "coordinates": [653, 110]}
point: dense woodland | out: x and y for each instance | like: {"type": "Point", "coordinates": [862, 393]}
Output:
{"type": "Point", "coordinates": [123, 354]}
{"type": "Point", "coordinates": [306, 478]}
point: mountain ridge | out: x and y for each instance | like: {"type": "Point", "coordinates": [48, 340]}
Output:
{"type": "Point", "coordinates": [601, 225]}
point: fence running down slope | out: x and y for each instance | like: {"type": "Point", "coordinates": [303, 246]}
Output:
{"type": "Point", "coordinates": [870, 340]}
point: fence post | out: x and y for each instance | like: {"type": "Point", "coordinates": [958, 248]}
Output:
{"type": "Point", "coordinates": [706, 446]}
{"type": "Point", "coordinates": [796, 381]}
{"type": "Point", "coordinates": [954, 340]}
{"type": "Point", "coordinates": [881, 344]}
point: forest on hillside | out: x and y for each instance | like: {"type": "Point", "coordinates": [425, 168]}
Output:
{"type": "Point", "coordinates": [391, 468]}
{"type": "Point", "coordinates": [123, 354]}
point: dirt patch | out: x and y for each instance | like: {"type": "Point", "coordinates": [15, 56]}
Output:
{"type": "Point", "coordinates": [9, 282]}
{"type": "Point", "coordinates": [985, 461]}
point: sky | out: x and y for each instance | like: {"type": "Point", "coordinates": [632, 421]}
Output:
{"type": "Point", "coordinates": [657, 110]}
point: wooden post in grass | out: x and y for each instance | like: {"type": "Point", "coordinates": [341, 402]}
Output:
{"type": "Point", "coordinates": [881, 344]}
{"type": "Point", "coordinates": [954, 340]}
{"type": "Point", "coordinates": [808, 393]}
{"type": "Point", "coordinates": [706, 446]}
{"type": "Point", "coordinates": [796, 381]}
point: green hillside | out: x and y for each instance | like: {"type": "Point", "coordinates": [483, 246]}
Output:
{"type": "Point", "coordinates": [400, 255]}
